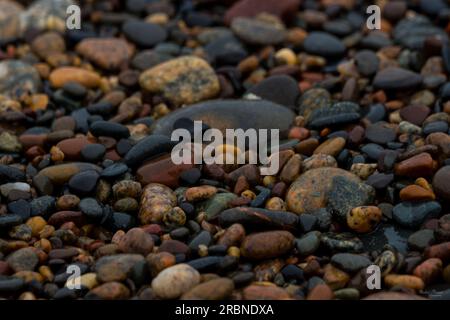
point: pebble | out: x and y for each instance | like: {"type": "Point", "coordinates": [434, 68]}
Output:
{"type": "Point", "coordinates": [394, 78]}
{"type": "Point", "coordinates": [109, 291]}
{"type": "Point", "coordinates": [364, 219]}
{"type": "Point", "coordinates": [109, 129]}
{"type": "Point", "coordinates": [406, 281]}
{"type": "Point", "coordinates": [136, 240]}
{"type": "Point", "coordinates": [441, 181]}
{"type": "Point", "coordinates": [84, 183]}
{"type": "Point", "coordinates": [308, 244]}
{"type": "Point", "coordinates": [324, 44]}
{"type": "Point", "coordinates": [250, 8]}
{"type": "Point", "coordinates": [184, 80]}
{"type": "Point", "coordinates": [262, 218]}
{"type": "Point", "coordinates": [93, 152]}
{"type": "Point", "coordinates": [24, 259]}
{"type": "Point", "coordinates": [420, 165]}
{"type": "Point", "coordinates": [280, 89]}
{"type": "Point", "coordinates": [64, 75]}
{"type": "Point", "coordinates": [147, 148]}
{"type": "Point", "coordinates": [337, 114]}
{"type": "Point", "coordinates": [10, 24]}
{"type": "Point", "coordinates": [215, 289]}
{"type": "Point", "coordinates": [156, 200]}
{"type": "Point", "coordinates": [350, 262]}
{"type": "Point", "coordinates": [17, 77]}
{"type": "Point", "coordinates": [231, 114]}
{"type": "Point", "coordinates": [266, 245]}
{"type": "Point", "coordinates": [421, 239]}
{"type": "Point", "coordinates": [258, 31]}
{"type": "Point", "coordinates": [107, 53]}
{"type": "Point", "coordinates": [145, 35]}
{"type": "Point", "coordinates": [310, 191]}
{"type": "Point", "coordinates": [175, 281]}
{"type": "Point", "coordinates": [412, 215]}
{"type": "Point", "coordinates": [116, 267]}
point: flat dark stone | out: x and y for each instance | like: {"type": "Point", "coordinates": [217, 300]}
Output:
{"type": "Point", "coordinates": [231, 114]}
{"type": "Point", "coordinates": [323, 44]}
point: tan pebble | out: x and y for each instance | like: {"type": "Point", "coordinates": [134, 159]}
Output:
{"type": "Point", "coordinates": [276, 204]}
{"type": "Point", "coordinates": [36, 224]}
{"type": "Point", "coordinates": [63, 75]}
{"type": "Point", "coordinates": [407, 281]}
{"type": "Point", "coordinates": [200, 193]}
{"type": "Point", "coordinates": [364, 219]}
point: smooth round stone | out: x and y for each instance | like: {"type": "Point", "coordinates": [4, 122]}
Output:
{"type": "Point", "coordinates": [20, 207]}
{"type": "Point", "coordinates": [11, 174]}
{"type": "Point", "coordinates": [412, 215]}
{"type": "Point", "coordinates": [10, 25]}
{"type": "Point", "coordinates": [373, 150]}
{"type": "Point", "coordinates": [203, 238]}
{"type": "Point", "coordinates": [17, 77]}
{"type": "Point", "coordinates": [175, 281]}
{"type": "Point", "coordinates": [10, 220]}
{"type": "Point", "coordinates": [280, 89]}
{"type": "Point", "coordinates": [146, 59]}
{"type": "Point", "coordinates": [48, 44]}
{"type": "Point", "coordinates": [59, 77]}
{"type": "Point", "coordinates": [421, 239]}
{"type": "Point", "coordinates": [441, 183]}
{"type": "Point", "coordinates": [116, 267]}
{"type": "Point", "coordinates": [438, 126]}
{"type": "Point", "coordinates": [412, 32]}
{"type": "Point", "coordinates": [225, 50]}
{"type": "Point", "coordinates": [93, 152]}
{"type": "Point", "coordinates": [230, 114]}
{"type": "Point", "coordinates": [148, 147]}
{"type": "Point", "coordinates": [107, 53]}
{"type": "Point", "coordinates": [144, 34]}
{"type": "Point", "coordinates": [215, 289]}
{"type": "Point", "coordinates": [324, 44]}
{"type": "Point", "coordinates": [109, 129]}
{"type": "Point", "coordinates": [91, 208]}
{"type": "Point", "coordinates": [11, 284]}
{"type": "Point", "coordinates": [100, 108]}
{"type": "Point", "coordinates": [310, 191]}
{"type": "Point", "coordinates": [24, 259]}
{"type": "Point", "coordinates": [393, 78]}
{"type": "Point", "coordinates": [338, 114]}
{"type": "Point", "coordinates": [350, 262]}
{"type": "Point", "coordinates": [184, 80]}
{"type": "Point", "coordinates": [84, 182]}
{"type": "Point", "coordinates": [283, 9]}
{"type": "Point", "coordinates": [380, 180]}
{"type": "Point", "coordinates": [380, 133]}
{"type": "Point", "coordinates": [308, 243]}
{"type": "Point", "coordinates": [339, 27]}
{"type": "Point", "coordinates": [113, 171]}
{"type": "Point", "coordinates": [415, 114]}
{"type": "Point", "coordinates": [74, 90]}
{"type": "Point", "coordinates": [266, 245]}
{"type": "Point", "coordinates": [312, 99]}
{"type": "Point", "coordinates": [120, 221]}
{"type": "Point", "coordinates": [258, 32]}
{"type": "Point", "coordinates": [376, 113]}
{"type": "Point", "coordinates": [367, 62]}
{"type": "Point", "coordinates": [42, 206]}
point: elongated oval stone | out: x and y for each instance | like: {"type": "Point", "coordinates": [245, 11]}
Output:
{"type": "Point", "coordinates": [231, 114]}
